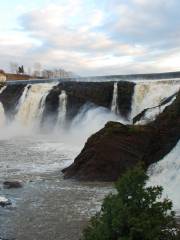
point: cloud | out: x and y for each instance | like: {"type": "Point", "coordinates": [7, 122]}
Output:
{"type": "Point", "coordinates": [91, 37]}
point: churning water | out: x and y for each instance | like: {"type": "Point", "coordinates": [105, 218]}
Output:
{"type": "Point", "coordinates": [49, 207]}
{"type": "Point", "coordinates": [166, 173]}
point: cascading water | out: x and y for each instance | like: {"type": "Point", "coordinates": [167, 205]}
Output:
{"type": "Point", "coordinates": [23, 96]}
{"type": "Point", "coordinates": [151, 114]}
{"type": "Point", "coordinates": [2, 89]}
{"type": "Point", "coordinates": [37, 162]}
{"type": "Point", "coordinates": [2, 116]}
{"type": "Point", "coordinates": [114, 104]}
{"type": "Point", "coordinates": [166, 173]}
{"type": "Point", "coordinates": [2, 113]}
{"type": "Point", "coordinates": [31, 109]}
{"type": "Point", "coordinates": [88, 121]}
{"type": "Point", "coordinates": [62, 109]}
{"type": "Point", "coordinates": [150, 94]}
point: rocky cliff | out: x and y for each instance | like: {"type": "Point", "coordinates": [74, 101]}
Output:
{"type": "Point", "coordinates": [78, 94]}
{"type": "Point", "coordinates": [9, 98]}
{"type": "Point", "coordinates": [98, 93]}
{"type": "Point", "coordinates": [116, 147]}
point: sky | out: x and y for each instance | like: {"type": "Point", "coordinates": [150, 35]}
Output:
{"type": "Point", "coordinates": [91, 37]}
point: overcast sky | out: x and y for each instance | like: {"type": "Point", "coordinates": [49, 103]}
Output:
{"type": "Point", "coordinates": [92, 37]}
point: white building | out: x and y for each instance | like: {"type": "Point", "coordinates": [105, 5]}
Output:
{"type": "Point", "coordinates": [2, 76]}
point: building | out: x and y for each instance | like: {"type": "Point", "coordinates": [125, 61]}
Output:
{"type": "Point", "coordinates": [12, 76]}
{"type": "Point", "coordinates": [57, 74]}
{"type": "Point", "coordinates": [2, 76]}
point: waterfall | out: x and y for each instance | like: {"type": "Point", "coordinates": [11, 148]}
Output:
{"type": "Point", "coordinates": [166, 173]}
{"type": "Point", "coordinates": [152, 113]}
{"type": "Point", "coordinates": [62, 109]}
{"type": "Point", "coordinates": [2, 113]}
{"type": "Point", "coordinates": [114, 104]}
{"type": "Point", "coordinates": [23, 96]}
{"type": "Point", "coordinates": [151, 94]}
{"type": "Point", "coordinates": [2, 116]}
{"type": "Point", "coordinates": [31, 109]}
{"type": "Point", "coordinates": [2, 89]}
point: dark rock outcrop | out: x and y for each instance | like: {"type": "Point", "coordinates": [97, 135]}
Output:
{"type": "Point", "coordinates": [12, 184]}
{"type": "Point", "coordinates": [4, 202]}
{"type": "Point", "coordinates": [10, 97]}
{"type": "Point", "coordinates": [116, 147]}
{"type": "Point", "coordinates": [98, 93]}
{"type": "Point", "coordinates": [164, 102]}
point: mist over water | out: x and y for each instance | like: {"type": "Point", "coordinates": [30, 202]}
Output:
{"type": "Point", "coordinates": [151, 94]}
{"type": "Point", "coordinates": [166, 173]}
{"type": "Point", "coordinates": [47, 203]}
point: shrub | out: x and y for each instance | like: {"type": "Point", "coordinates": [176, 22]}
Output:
{"type": "Point", "coordinates": [135, 212]}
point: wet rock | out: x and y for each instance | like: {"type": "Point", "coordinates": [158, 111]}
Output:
{"type": "Point", "coordinates": [12, 184]}
{"type": "Point", "coordinates": [7, 238]}
{"type": "Point", "coordinates": [142, 116]}
{"type": "Point", "coordinates": [98, 93]}
{"type": "Point", "coordinates": [117, 147]}
{"type": "Point", "coordinates": [4, 202]}
{"type": "Point", "coordinates": [10, 97]}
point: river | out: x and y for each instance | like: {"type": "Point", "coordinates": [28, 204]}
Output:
{"type": "Point", "coordinates": [47, 206]}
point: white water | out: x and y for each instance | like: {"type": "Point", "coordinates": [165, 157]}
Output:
{"type": "Point", "coordinates": [37, 160]}
{"type": "Point", "coordinates": [89, 120]}
{"type": "Point", "coordinates": [2, 113]}
{"type": "Point", "coordinates": [2, 89]}
{"type": "Point", "coordinates": [114, 104]}
{"type": "Point", "coordinates": [31, 109]}
{"type": "Point", "coordinates": [62, 109]}
{"type": "Point", "coordinates": [150, 94]}
{"type": "Point", "coordinates": [2, 116]}
{"type": "Point", "coordinates": [23, 96]}
{"type": "Point", "coordinates": [151, 114]}
{"type": "Point", "coordinates": [166, 173]}
{"type": "Point", "coordinates": [3, 200]}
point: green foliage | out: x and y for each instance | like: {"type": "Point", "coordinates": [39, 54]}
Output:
{"type": "Point", "coordinates": [135, 212]}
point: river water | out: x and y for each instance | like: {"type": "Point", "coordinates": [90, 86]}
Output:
{"type": "Point", "coordinates": [47, 206]}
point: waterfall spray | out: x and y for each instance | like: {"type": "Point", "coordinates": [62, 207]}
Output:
{"type": "Point", "coordinates": [2, 89]}
{"type": "Point", "coordinates": [62, 109]}
{"type": "Point", "coordinates": [114, 104]}
{"type": "Point", "coordinates": [2, 116]}
{"type": "Point", "coordinates": [150, 94]}
{"type": "Point", "coordinates": [166, 173]}
{"type": "Point", "coordinates": [2, 113]}
{"type": "Point", "coordinates": [23, 96]}
{"type": "Point", "coordinates": [31, 109]}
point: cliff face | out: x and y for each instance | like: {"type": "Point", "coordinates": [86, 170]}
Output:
{"type": "Point", "coordinates": [78, 94]}
{"type": "Point", "coordinates": [98, 93]}
{"type": "Point", "coordinates": [9, 98]}
{"type": "Point", "coordinates": [115, 148]}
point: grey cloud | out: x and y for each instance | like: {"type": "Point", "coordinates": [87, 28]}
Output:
{"type": "Point", "coordinates": [125, 36]}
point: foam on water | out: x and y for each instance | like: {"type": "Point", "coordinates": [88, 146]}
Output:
{"type": "Point", "coordinates": [148, 95]}
{"type": "Point", "coordinates": [166, 173]}
{"type": "Point", "coordinates": [152, 113]}
{"type": "Point", "coordinates": [89, 120]}
{"type": "Point", "coordinates": [31, 109]}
